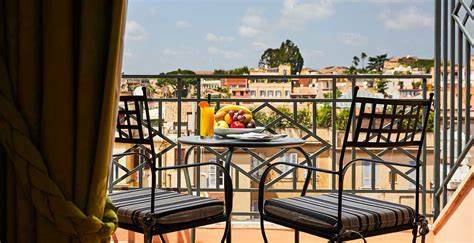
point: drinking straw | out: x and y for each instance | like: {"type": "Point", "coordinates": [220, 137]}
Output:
{"type": "Point", "coordinates": [209, 99]}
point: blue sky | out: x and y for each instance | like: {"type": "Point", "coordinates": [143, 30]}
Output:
{"type": "Point", "coordinates": [163, 35]}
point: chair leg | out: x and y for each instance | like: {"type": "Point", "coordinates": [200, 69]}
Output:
{"type": "Point", "coordinates": [162, 238]}
{"type": "Point", "coordinates": [262, 229]}
{"type": "Point", "coordinates": [414, 233]}
{"type": "Point", "coordinates": [226, 231]}
{"type": "Point", "coordinates": [147, 237]}
{"type": "Point", "coordinates": [115, 238]}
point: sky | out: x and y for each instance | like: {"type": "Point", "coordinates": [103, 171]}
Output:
{"type": "Point", "coordinates": [164, 35]}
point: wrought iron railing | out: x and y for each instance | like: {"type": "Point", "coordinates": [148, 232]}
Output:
{"type": "Point", "coordinates": [321, 145]}
{"type": "Point", "coordinates": [452, 83]}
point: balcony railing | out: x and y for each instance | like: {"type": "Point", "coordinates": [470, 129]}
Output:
{"type": "Point", "coordinates": [323, 142]}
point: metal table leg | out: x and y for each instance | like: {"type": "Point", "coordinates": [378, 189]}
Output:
{"type": "Point", "coordinates": [227, 164]}
{"type": "Point", "coordinates": [188, 185]}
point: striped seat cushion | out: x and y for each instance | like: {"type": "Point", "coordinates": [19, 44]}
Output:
{"type": "Point", "coordinates": [358, 213]}
{"type": "Point", "coordinates": [170, 207]}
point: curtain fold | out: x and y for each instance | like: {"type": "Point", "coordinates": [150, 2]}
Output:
{"type": "Point", "coordinates": [60, 64]}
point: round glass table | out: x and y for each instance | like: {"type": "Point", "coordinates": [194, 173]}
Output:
{"type": "Point", "coordinates": [233, 144]}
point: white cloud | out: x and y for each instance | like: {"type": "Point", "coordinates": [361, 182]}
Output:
{"type": "Point", "coordinates": [252, 23]}
{"type": "Point", "coordinates": [135, 31]}
{"type": "Point", "coordinates": [217, 38]}
{"type": "Point", "coordinates": [179, 51]}
{"type": "Point", "coordinates": [228, 54]}
{"type": "Point", "coordinates": [352, 39]}
{"type": "Point", "coordinates": [183, 24]}
{"type": "Point", "coordinates": [247, 31]}
{"type": "Point", "coordinates": [312, 53]}
{"type": "Point", "coordinates": [293, 12]}
{"type": "Point", "coordinates": [296, 11]}
{"type": "Point", "coordinates": [406, 19]}
{"type": "Point", "coordinates": [259, 45]}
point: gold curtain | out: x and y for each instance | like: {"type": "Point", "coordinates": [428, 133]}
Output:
{"type": "Point", "coordinates": [60, 64]}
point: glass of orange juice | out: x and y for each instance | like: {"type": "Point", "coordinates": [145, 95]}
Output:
{"type": "Point", "coordinates": [207, 120]}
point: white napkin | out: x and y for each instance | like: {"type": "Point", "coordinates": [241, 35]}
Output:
{"type": "Point", "coordinates": [256, 136]}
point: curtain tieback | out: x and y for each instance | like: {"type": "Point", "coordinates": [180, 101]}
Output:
{"type": "Point", "coordinates": [45, 195]}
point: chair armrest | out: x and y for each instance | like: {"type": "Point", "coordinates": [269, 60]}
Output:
{"type": "Point", "coordinates": [261, 186]}
{"type": "Point", "coordinates": [228, 187]}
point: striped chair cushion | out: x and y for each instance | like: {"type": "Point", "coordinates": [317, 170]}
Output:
{"type": "Point", "coordinates": [358, 213]}
{"type": "Point", "coordinates": [170, 207]}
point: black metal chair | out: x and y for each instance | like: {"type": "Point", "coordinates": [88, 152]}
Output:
{"type": "Point", "coordinates": [387, 124]}
{"type": "Point", "coordinates": [152, 210]}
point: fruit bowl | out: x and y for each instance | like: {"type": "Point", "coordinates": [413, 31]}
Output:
{"type": "Point", "coordinates": [227, 131]}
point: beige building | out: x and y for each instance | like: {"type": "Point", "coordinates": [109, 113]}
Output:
{"type": "Point", "coordinates": [270, 90]}
{"type": "Point", "coordinates": [284, 69]}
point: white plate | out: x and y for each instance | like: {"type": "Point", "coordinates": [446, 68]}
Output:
{"type": "Point", "coordinates": [256, 137]}
{"type": "Point", "coordinates": [226, 131]}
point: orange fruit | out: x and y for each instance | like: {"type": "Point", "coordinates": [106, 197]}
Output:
{"type": "Point", "coordinates": [228, 119]}
{"type": "Point", "coordinates": [220, 115]}
{"type": "Point", "coordinates": [203, 104]}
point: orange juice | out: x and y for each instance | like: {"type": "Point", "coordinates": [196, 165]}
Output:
{"type": "Point", "coordinates": [207, 121]}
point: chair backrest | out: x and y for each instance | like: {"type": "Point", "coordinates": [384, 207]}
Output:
{"type": "Point", "coordinates": [386, 123]}
{"type": "Point", "coordinates": [133, 122]}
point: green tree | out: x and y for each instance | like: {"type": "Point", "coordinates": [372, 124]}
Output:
{"type": "Point", "coordinates": [323, 116]}
{"type": "Point", "coordinates": [303, 117]}
{"type": "Point", "coordinates": [429, 126]}
{"type": "Point", "coordinates": [287, 53]}
{"type": "Point", "coordinates": [363, 56]}
{"type": "Point", "coordinates": [381, 86]}
{"type": "Point", "coordinates": [283, 123]}
{"type": "Point", "coordinates": [329, 95]}
{"type": "Point", "coordinates": [423, 64]}
{"type": "Point", "coordinates": [186, 82]}
{"type": "Point", "coordinates": [376, 63]}
{"type": "Point", "coordinates": [355, 61]}
{"type": "Point", "coordinates": [342, 117]}
{"type": "Point", "coordinates": [240, 71]}
{"type": "Point", "coordinates": [261, 117]}
{"type": "Point", "coordinates": [416, 84]}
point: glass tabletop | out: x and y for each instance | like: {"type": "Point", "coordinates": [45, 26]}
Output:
{"type": "Point", "coordinates": [229, 142]}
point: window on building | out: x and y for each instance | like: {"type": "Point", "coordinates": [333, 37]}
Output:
{"type": "Point", "coordinates": [262, 93]}
{"type": "Point", "coordinates": [278, 93]}
{"type": "Point", "coordinates": [412, 175]}
{"type": "Point", "coordinates": [270, 93]}
{"type": "Point", "coordinates": [254, 163]}
{"type": "Point", "coordinates": [366, 174]}
{"type": "Point", "coordinates": [215, 177]}
{"type": "Point", "coordinates": [289, 158]}
{"type": "Point", "coordinates": [253, 93]}
{"type": "Point", "coordinates": [287, 93]}
{"type": "Point", "coordinates": [254, 208]}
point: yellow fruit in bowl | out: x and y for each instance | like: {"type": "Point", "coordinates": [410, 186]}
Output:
{"type": "Point", "coordinates": [228, 108]}
{"type": "Point", "coordinates": [220, 115]}
{"type": "Point", "coordinates": [222, 124]}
